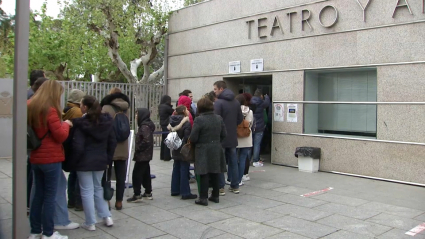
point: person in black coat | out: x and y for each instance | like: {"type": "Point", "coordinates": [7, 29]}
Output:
{"type": "Point", "coordinates": [165, 110]}
{"type": "Point", "coordinates": [179, 181]}
{"type": "Point", "coordinates": [143, 154]}
{"type": "Point", "coordinates": [93, 147]}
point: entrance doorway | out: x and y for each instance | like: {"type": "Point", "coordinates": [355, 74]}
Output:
{"type": "Point", "coordinates": [249, 84]}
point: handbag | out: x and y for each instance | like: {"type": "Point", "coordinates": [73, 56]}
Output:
{"type": "Point", "coordinates": [108, 191]}
{"type": "Point", "coordinates": [188, 152]}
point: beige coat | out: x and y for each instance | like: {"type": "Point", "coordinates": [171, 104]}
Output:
{"type": "Point", "coordinates": [246, 142]}
{"type": "Point", "coordinates": [121, 151]}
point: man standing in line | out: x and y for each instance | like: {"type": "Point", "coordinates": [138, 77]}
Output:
{"type": "Point", "coordinates": [230, 110]}
{"type": "Point", "coordinates": [261, 102]}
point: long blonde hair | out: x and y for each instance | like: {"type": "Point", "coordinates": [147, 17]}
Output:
{"type": "Point", "coordinates": [48, 95]}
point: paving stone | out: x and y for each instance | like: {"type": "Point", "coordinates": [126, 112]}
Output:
{"type": "Point", "coordinates": [169, 202]}
{"type": "Point", "coordinates": [116, 215]}
{"type": "Point", "coordinates": [130, 228]}
{"type": "Point", "coordinates": [258, 202]}
{"type": "Point", "coordinates": [2, 175]}
{"type": "Point", "coordinates": [2, 200]}
{"type": "Point", "coordinates": [300, 212]}
{"type": "Point", "coordinates": [263, 184]}
{"type": "Point", "coordinates": [349, 201]}
{"type": "Point", "coordinates": [348, 211]}
{"type": "Point", "coordinates": [346, 235]}
{"type": "Point", "coordinates": [226, 236]}
{"type": "Point", "coordinates": [166, 237]}
{"type": "Point", "coordinates": [260, 192]}
{"type": "Point", "coordinates": [421, 217]}
{"type": "Point", "coordinates": [400, 234]}
{"type": "Point", "coordinates": [293, 190]}
{"type": "Point", "coordinates": [395, 221]}
{"type": "Point", "coordinates": [5, 211]}
{"type": "Point", "coordinates": [149, 214]}
{"type": "Point", "coordinates": [301, 227]}
{"type": "Point", "coordinates": [158, 184]}
{"type": "Point", "coordinates": [6, 228]}
{"type": "Point", "coordinates": [391, 209]}
{"type": "Point", "coordinates": [185, 228]}
{"type": "Point", "coordinates": [102, 236]}
{"type": "Point", "coordinates": [224, 203]}
{"type": "Point", "coordinates": [201, 214]}
{"type": "Point", "coordinates": [300, 201]}
{"type": "Point", "coordinates": [287, 235]}
{"type": "Point", "coordinates": [83, 233]}
{"type": "Point", "coordinates": [245, 228]}
{"type": "Point", "coordinates": [252, 214]}
{"type": "Point", "coordinates": [354, 225]}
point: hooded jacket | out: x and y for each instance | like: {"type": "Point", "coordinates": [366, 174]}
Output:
{"type": "Point", "coordinates": [165, 110]}
{"type": "Point", "coordinates": [93, 144]}
{"type": "Point", "coordinates": [181, 125]}
{"type": "Point", "coordinates": [143, 151]}
{"type": "Point", "coordinates": [260, 105]}
{"type": "Point", "coordinates": [246, 142]}
{"type": "Point", "coordinates": [230, 110]}
{"type": "Point", "coordinates": [111, 104]}
{"type": "Point", "coordinates": [186, 101]}
{"type": "Point", "coordinates": [71, 111]}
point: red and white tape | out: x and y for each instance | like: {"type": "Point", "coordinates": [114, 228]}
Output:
{"type": "Point", "coordinates": [316, 192]}
{"type": "Point", "coordinates": [416, 230]}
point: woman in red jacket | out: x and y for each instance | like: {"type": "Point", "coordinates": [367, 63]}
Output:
{"type": "Point", "coordinates": [44, 116]}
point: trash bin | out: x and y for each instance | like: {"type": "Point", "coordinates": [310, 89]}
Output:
{"type": "Point", "coordinates": [308, 159]}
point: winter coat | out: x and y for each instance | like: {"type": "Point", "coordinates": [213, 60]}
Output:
{"type": "Point", "coordinates": [93, 144]}
{"type": "Point", "coordinates": [207, 134]}
{"type": "Point", "coordinates": [186, 101]}
{"type": "Point", "coordinates": [246, 142]}
{"type": "Point", "coordinates": [72, 111]}
{"type": "Point", "coordinates": [260, 105]}
{"type": "Point", "coordinates": [143, 151]}
{"type": "Point", "coordinates": [51, 150]}
{"type": "Point", "coordinates": [165, 110]}
{"type": "Point", "coordinates": [181, 125]}
{"type": "Point", "coordinates": [121, 102]}
{"type": "Point", "coordinates": [230, 110]}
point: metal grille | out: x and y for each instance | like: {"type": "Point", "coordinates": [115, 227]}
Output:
{"type": "Point", "coordinates": [140, 95]}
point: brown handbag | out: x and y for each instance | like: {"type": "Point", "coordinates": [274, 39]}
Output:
{"type": "Point", "coordinates": [188, 152]}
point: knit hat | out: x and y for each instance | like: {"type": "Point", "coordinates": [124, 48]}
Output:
{"type": "Point", "coordinates": [75, 96]}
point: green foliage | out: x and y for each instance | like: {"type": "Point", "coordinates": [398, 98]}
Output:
{"type": "Point", "coordinates": [191, 2]}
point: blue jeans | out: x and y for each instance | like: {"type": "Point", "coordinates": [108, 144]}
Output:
{"type": "Point", "coordinates": [92, 196]}
{"type": "Point", "coordinates": [232, 167]}
{"type": "Point", "coordinates": [256, 142]}
{"type": "Point", "coordinates": [180, 179]}
{"type": "Point", "coordinates": [243, 155]}
{"type": "Point", "coordinates": [42, 209]}
{"type": "Point", "coordinates": [61, 209]}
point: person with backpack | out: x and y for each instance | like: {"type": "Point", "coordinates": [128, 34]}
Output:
{"type": "Point", "coordinates": [179, 123]}
{"type": "Point", "coordinates": [244, 136]}
{"type": "Point", "coordinates": [252, 107]}
{"type": "Point", "coordinates": [143, 154]}
{"type": "Point", "coordinates": [93, 145]}
{"type": "Point", "coordinates": [116, 104]}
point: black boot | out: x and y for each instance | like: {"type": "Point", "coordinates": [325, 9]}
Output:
{"type": "Point", "coordinates": [202, 201]}
{"type": "Point", "coordinates": [190, 196]}
{"type": "Point", "coordinates": [213, 199]}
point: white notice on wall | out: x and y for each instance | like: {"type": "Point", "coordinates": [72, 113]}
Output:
{"type": "Point", "coordinates": [278, 113]}
{"type": "Point", "coordinates": [234, 67]}
{"type": "Point", "coordinates": [292, 113]}
{"type": "Point", "coordinates": [257, 65]}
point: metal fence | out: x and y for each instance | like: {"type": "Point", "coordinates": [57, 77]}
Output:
{"type": "Point", "coordinates": [140, 95]}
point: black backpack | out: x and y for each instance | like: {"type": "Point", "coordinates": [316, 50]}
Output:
{"type": "Point", "coordinates": [33, 142]}
{"type": "Point", "coordinates": [121, 125]}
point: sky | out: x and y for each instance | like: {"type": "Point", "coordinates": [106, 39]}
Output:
{"type": "Point", "coordinates": [53, 8]}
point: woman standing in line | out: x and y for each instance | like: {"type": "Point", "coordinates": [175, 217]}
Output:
{"type": "Point", "coordinates": [244, 143]}
{"type": "Point", "coordinates": [93, 146]}
{"type": "Point", "coordinates": [207, 134]}
{"type": "Point", "coordinates": [165, 110]}
{"type": "Point", "coordinates": [44, 117]}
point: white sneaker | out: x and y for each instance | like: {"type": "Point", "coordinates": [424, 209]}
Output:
{"type": "Point", "coordinates": [35, 236]}
{"type": "Point", "coordinates": [108, 221]}
{"type": "Point", "coordinates": [227, 182]}
{"type": "Point", "coordinates": [70, 226]}
{"type": "Point", "coordinates": [245, 178]}
{"type": "Point", "coordinates": [88, 227]}
{"type": "Point", "coordinates": [257, 164]}
{"type": "Point", "coordinates": [55, 235]}
{"type": "Point", "coordinates": [241, 183]}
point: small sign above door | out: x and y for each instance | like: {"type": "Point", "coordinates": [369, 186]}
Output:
{"type": "Point", "coordinates": [234, 67]}
{"type": "Point", "coordinates": [257, 65]}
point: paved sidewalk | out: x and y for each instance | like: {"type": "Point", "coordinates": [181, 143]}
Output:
{"type": "Point", "coordinates": [269, 206]}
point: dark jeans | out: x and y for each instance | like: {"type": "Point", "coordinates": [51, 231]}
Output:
{"type": "Point", "coordinates": [29, 181]}
{"type": "Point", "coordinates": [256, 142]}
{"type": "Point", "coordinates": [74, 196]}
{"type": "Point", "coordinates": [248, 162]}
{"type": "Point", "coordinates": [165, 153]}
{"type": "Point", "coordinates": [120, 167]}
{"type": "Point", "coordinates": [232, 167]}
{"type": "Point", "coordinates": [142, 176]}
{"type": "Point", "coordinates": [180, 179]}
{"type": "Point", "coordinates": [205, 183]}
{"type": "Point", "coordinates": [243, 157]}
{"type": "Point", "coordinates": [42, 210]}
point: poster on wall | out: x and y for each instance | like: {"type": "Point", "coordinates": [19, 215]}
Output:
{"type": "Point", "coordinates": [257, 65]}
{"type": "Point", "coordinates": [278, 112]}
{"type": "Point", "coordinates": [292, 113]}
{"type": "Point", "coordinates": [234, 67]}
